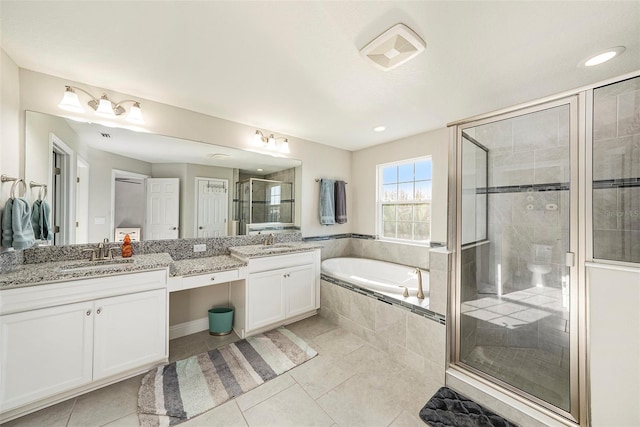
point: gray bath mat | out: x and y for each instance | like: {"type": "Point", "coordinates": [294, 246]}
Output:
{"type": "Point", "coordinates": [173, 393]}
{"type": "Point", "coordinates": [449, 409]}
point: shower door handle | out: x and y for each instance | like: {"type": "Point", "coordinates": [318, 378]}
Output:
{"type": "Point", "coordinates": [570, 259]}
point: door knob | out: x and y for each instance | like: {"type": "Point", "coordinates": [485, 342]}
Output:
{"type": "Point", "coordinates": [200, 228]}
{"type": "Point", "coordinates": [174, 228]}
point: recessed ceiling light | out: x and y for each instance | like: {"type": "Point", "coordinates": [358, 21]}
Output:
{"type": "Point", "coordinates": [379, 128]}
{"type": "Point", "coordinates": [260, 169]}
{"type": "Point", "coordinates": [220, 156]}
{"type": "Point", "coordinates": [602, 57]}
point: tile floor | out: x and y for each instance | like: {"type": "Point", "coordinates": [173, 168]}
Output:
{"type": "Point", "coordinates": [349, 383]}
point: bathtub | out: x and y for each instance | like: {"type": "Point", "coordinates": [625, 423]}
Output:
{"type": "Point", "coordinates": [379, 276]}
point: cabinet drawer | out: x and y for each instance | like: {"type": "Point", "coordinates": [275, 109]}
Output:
{"type": "Point", "coordinates": [208, 279]}
{"type": "Point", "coordinates": [280, 261]}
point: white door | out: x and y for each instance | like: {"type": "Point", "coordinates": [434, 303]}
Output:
{"type": "Point", "coordinates": [300, 290]}
{"type": "Point", "coordinates": [265, 299]}
{"type": "Point", "coordinates": [163, 209]}
{"type": "Point", "coordinates": [130, 331]}
{"type": "Point", "coordinates": [212, 198]}
{"type": "Point", "coordinates": [44, 352]}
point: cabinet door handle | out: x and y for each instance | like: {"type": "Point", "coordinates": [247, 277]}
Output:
{"type": "Point", "coordinates": [88, 312]}
{"type": "Point", "coordinates": [213, 278]}
{"type": "Point", "coordinates": [98, 311]}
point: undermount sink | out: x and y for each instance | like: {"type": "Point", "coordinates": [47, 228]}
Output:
{"type": "Point", "coordinates": [95, 265]}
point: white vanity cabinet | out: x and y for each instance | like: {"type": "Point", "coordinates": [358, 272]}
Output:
{"type": "Point", "coordinates": [65, 338]}
{"type": "Point", "coordinates": [278, 290]}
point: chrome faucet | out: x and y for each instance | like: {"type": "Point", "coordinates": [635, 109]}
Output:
{"type": "Point", "coordinates": [101, 253]}
{"type": "Point", "coordinates": [269, 240]}
{"type": "Point", "coordinates": [420, 293]}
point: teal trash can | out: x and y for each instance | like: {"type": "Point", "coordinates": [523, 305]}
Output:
{"type": "Point", "coordinates": [220, 321]}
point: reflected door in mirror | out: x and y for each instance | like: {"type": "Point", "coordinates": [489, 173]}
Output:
{"type": "Point", "coordinates": [212, 207]}
{"type": "Point", "coordinates": [163, 207]}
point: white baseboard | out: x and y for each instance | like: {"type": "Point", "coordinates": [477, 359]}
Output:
{"type": "Point", "coordinates": [188, 328]}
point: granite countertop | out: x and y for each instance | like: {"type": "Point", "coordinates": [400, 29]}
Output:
{"type": "Point", "coordinates": [258, 251]}
{"type": "Point", "coordinates": [189, 267]}
{"type": "Point", "coordinates": [60, 271]}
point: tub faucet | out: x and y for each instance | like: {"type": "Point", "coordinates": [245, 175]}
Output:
{"type": "Point", "coordinates": [420, 293]}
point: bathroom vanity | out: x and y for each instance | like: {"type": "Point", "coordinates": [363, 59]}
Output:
{"type": "Point", "coordinates": [63, 338]}
{"type": "Point", "coordinates": [282, 286]}
{"type": "Point", "coordinates": [69, 327]}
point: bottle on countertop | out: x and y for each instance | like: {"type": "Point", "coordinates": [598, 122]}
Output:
{"type": "Point", "coordinates": [127, 249]}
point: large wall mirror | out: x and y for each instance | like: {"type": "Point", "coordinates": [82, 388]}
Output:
{"type": "Point", "coordinates": [104, 182]}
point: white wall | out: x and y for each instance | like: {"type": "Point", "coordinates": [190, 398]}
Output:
{"type": "Point", "coordinates": [614, 343]}
{"type": "Point", "coordinates": [362, 185]}
{"type": "Point", "coordinates": [10, 148]}
{"type": "Point", "coordinates": [41, 92]}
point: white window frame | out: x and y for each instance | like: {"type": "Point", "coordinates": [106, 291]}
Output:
{"type": "Point", "coordinates": [380, 203]}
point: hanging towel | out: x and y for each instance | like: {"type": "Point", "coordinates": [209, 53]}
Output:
{"type": "Point", "coordinates": [21, 224]}
{"type": "Point", "coordinates": [45, 225]}
{"type": "Point", "coordinates": [7, 230]}
{"type": "Point", "coordinates": [40, 220]}
{"type": "Point", "coordinates": [326, 207]}
{"type": "Point", "coordinates": [341, 202]}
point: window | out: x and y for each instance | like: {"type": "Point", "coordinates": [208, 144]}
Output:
{"type": "Point", "coordinates": [404, 200]}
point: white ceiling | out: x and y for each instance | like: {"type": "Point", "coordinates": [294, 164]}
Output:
{"type": "Point", "coordinates": [294, 67]}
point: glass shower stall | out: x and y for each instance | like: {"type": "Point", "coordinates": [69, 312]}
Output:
{"type": "Point", "coordinates": [517, 284]}
{"type": "Point", "coordinates": [538, 191]}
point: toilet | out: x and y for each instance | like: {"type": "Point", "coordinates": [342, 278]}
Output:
{"type": "Point", "coordinates": [541, 263]}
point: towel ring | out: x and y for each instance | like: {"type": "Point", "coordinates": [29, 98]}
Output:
{"type": "Point", "coordinates": [42, 186]}
{"type": "Point", "coordinates": [42, 190]}
{"type": "Point", "coordinates": [13, 187]}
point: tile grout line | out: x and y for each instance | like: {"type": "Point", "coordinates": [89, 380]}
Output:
{"type": "Point", "coordinates": [75, 400]}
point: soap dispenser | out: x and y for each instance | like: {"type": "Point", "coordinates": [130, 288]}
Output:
{"type": "Point", "coordinates": [127, 250]}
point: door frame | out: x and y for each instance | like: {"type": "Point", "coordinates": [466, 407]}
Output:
{"type": "Point", "coordinates": [577, 316]}
{"type": "Point", "coordinates": [115, 173]}
{"type": "Point", "coordinates": [197, 199]}
{"type": "Point", "coordinates": [68, 196]}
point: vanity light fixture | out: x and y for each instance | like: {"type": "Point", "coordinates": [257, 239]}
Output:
{"type": "Point", "coordinates": [103, 106]}
{"type": "Point", "coordinates": [271, 142]}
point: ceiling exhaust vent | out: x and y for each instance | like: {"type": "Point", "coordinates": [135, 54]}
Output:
{"type": "Point", "coordinates": [395, 46]}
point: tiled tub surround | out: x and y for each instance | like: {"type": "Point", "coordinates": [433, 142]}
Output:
{"type": "Point", "coordinates": [616, 171]}
{"type": "Point", "coordinates": [414, 336]}
{"type": "Point", "coordinates": [368, 246]}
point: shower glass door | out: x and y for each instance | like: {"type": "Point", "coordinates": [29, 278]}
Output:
{"type": "Point", "coordinates": [515, 325]}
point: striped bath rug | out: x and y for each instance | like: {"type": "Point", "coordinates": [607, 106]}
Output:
{"type": "Point", "coordinates": [178, 391]}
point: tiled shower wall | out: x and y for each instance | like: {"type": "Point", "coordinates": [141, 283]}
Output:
{"type": "Point", "coordinates": [528, 198]}
{"type": "Point", "coordinates": [528, 203]}
{"type": "Point", "coordinates": [616, 171]}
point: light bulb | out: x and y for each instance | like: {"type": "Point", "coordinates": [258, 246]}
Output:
{"type": "Point", "coordinates": [257, 138]}
{"type": "Point", "coordinates": [135, 114]}
{"type": "Point", "coordinates": [271, 142]}
{"type": "Point", "coordinates": [70, 101]}
{"type": "Point", "coordinates": [284, 147]}
{"type": "Point", "coordinates": [105, 108]}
